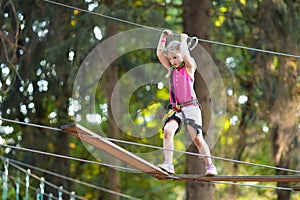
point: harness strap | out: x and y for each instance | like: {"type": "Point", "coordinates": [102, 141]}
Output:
{"type": "Point", "coordinates": [177, 107]}
{"type": "Point", "coordinates": [187, 103]}
{"type": "Point", "coordinates": [192, 123]}
{"type": "Point", "coordinates": [172, 86]}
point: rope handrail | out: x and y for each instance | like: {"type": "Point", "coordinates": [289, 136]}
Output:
{"type": "Point", "coordinates": [65, 177]}
{"type": "Point", "coordinates": [45, 181]}
{"type": "Point", "coordinates": [160, 30]}
{"type": "Point", "coordinates": [160, 148]}
{"type": "Point", "coordinates": [30, 187]}
{"type": "Point", "coordinates": [175, 177]}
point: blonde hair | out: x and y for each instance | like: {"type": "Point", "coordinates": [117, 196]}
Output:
{"type": "Point", "coordinates": [173, 46]}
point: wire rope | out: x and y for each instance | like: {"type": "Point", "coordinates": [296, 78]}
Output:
{"type": "Point", "coordinates": [67, 157]}
{"type": "Point", "coordinates": [209, 41]}
{"type": "Point", "coordinates": [30, 187]}
{"type": "Point", "coordinates": [45, 181]}
{"type": "Point", "coordinates": [156, 147]}
{"type": "Point", "coordinates": [67, 178]}
{"type": "Point", "coordinates": [126, 196]}
{"type": "Point", "coordinates": [253, 185]}
{"type": "Point", "coordinates": [160, 30]}
{"type": "Point", "coordinates": [150, 146]}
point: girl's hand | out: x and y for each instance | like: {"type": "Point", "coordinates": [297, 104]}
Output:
{"type": "Point", "coordinates": [184, 37]}
{"type": "Point", "coordinates": [168, 33]}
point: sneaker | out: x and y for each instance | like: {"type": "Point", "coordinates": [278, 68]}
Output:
{"type": "Point", "coordinates": [211, 170]}
{"type": "Point", "coordinates": [168, 167]}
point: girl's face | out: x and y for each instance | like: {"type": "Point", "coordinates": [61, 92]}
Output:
{"type": "Point", "coordinates": [175, 58]}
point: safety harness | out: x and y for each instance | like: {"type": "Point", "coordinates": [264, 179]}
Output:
{"type": "Point", "coordinates": [176, 107]}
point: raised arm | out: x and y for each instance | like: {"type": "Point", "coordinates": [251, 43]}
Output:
{"type": "Point", "coordinates": [160, 49]}
{"type": "Point", "coordinates": [188, 59]}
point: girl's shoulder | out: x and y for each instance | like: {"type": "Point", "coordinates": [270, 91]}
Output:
{"type": "Point", "coordinates": [190, 71]}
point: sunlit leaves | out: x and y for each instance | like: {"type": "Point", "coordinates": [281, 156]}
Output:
{"type": "Point", "coordinates": [147, 115]}
{"type": "Point", "coordinates": [40, 27]}
{"type": "Point", "coordinates": [98, 33]}
{"type": "Point", "coordinates": [220, 20]}
{"type": "Point", "coordinates": [243, 2]}
{"type": "Point", "coordinates": [163, 94]}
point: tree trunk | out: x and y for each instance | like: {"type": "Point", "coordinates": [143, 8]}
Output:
{"type": "Point", "coordinates": [284, 120]}
{"type": "Point", "coordinates": [284, 108]}
{"type": "Point", "coordinates": [113, 129]}
{"type": "Point", "coordinates": [196, 22]}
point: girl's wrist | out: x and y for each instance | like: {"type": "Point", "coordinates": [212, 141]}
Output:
{"type": "Point", "coordinates": [184, 39]}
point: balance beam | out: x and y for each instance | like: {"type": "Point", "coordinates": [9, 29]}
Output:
{"type": "Point", "coordinates": [118, 152]}
{"type": "Point", "coordinates": [197, 177]}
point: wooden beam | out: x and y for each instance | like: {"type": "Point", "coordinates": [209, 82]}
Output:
{"type": "Point", "coordinates": [296, 188]}
{"type": "Point", "coordinates": [107, 146]}
{"type": "Point", "coordinates": [197, 177]}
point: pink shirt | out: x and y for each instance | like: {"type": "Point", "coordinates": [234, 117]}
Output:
{"type": "Point", "coordinates": [183, 86]}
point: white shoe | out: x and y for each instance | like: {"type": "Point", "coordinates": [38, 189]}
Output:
{"type": "Point", "coordinates": [168, 167]}
{"type": "Point", "coordinates": [211, 170]}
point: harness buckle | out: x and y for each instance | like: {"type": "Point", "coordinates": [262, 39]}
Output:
{"type": "Point", "coordinates": [177, 107]}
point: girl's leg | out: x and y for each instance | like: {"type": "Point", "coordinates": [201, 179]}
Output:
{"type": "Point", "coordinates": [201, 144]}
{"type": "Point", "coordinates": [169, 131]}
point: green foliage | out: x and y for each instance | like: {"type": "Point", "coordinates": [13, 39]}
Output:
{"type": "Point", "coordinates": [247, 135]}
{"type": "Point", "coordinates": [37, 78]}
{"type": "Point", "coordinates": [55, 41]}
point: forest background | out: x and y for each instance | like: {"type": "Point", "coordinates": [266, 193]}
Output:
{"type": "Point", "coordinates": [44, 45]}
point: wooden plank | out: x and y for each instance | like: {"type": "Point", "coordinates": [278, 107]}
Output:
{"type": "Point", "coordinates": [296, 188]}
{"type": "Point", "coordinates": [197, 177]}
{"type": "Point", "coordinates": [107, 146]}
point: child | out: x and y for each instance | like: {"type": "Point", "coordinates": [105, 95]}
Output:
{"type": "Point", "coordinates": [185, 107]}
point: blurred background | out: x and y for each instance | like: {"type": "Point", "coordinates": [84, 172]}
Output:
{"type": "Point", "coordinates": [43, 45]}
